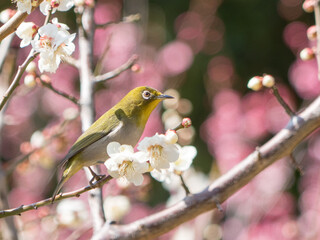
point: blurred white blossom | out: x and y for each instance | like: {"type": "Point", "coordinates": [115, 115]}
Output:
{"type": "Point", "coordinates": [6, 14]}
{"type": "Point", "coordinates": [72, 212]}
{"type": "Point", "coordinates": [26, 31]}
{"type": "Point", "coordinates": [60, 5]}
{"type": "Point", "coordinates": [116, 207]}
{"type": "Point", "coordinates": [54, 44]}
{"type": "Point", "coordinates": [37, 139]}
{"type": "Point", "coordinates": [26, 5]}
{"type": "Point", "coordinates": [186, 156]}
{"type": "Point", "coordinates": [125, 163]}
{"type": "Point", "coordinates": [161, 150]}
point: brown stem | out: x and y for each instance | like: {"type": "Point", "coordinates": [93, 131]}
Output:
{"type": "Point", "coordinates": [117, 71]}
{"type": "Point", "coordinates": [63, 94]}
{"type": "Point", "coordinates": [48, 201]}
{"type": "Point", "coordinates": [281, 101]}
{"type": "Point", "coordinates": [14, 22]}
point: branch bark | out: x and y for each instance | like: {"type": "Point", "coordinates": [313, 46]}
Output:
{"type": "Point", "coordinates": [117, 71]}
{"type": "Point", "coordinates": [15, 82]}
{"type": "Point", "coordinates": [14, 22]}
{"type": "Point", "coordinates": [86, 34]}
{"type": "Point", "coordinates": [281, 145]}
{"type": "Point", "coordinates": [48, 201]}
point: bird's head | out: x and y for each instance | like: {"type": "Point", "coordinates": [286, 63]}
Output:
{"type": "Point", "coordinates": [141, 101]}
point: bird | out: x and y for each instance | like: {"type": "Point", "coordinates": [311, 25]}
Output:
{"type": "Point", "coordinates": [123, 123]}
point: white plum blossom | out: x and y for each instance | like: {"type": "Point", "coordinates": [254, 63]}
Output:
{"type": "Point", "coordinates": [6, 14]}
{"type": "Point", "coordinates": [26, 5]}
{"type": "Point", "coordinates": [116, 207]}
{"type": "Point", "coordinates": [60, 5]}
{"type": "Point", "coordinates": [124, 163]}
{"type": "Point", "coordinates": [26, 31]}
{"type": "Point", "coordinates": [186, 156]}
{"type": "Point", "coordinates": [54, 44]}
{"type": "Point", "coordinates": [72, 212]}
{"type": "Point", "coordinates": [161, 150]}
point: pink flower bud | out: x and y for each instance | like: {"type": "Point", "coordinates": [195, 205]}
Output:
{"type": "Point", "coordinates": [312, 32]}
{"type": "Point", "coordinates": [307, 54]}
{"type": "Point", "coordinates": [55, 3]}
{"type": "Point", "coordinates": [186, 122]}
{"type": "Point", "coordinates": [308, 6]}
{"type": "Point", "coordinates": [255, 83]}
{"type": "Point", "coordinates": [136, 68]}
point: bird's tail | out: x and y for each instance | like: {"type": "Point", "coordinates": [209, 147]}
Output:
{"type": "Point", "coordinates": [71, 167]}
{"type": "Point", "coordinates": [59, 186]}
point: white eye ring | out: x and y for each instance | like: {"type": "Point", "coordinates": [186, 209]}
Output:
{"type": "Point", "coordinates": [146, 94]}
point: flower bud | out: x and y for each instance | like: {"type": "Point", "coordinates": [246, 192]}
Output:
{"type": "Point", "coordinates": [29, 80]}
{"type": "Point", "coordinates": [308, 6]}
{"type": "Point", "coordinates": [55, 3]}
{"type": "Point", "coordinates": [45, 78]}
{"type": "Point", "coordinates": [6, 14]}
{"type": "Point", "coordinates": [312, 32]}
{"type": "Point", "coordinates": [255, 83]}
{"type": "Point", "coordinates": [136, 68]}
{"type": "Point", "coordinates": [307, 54]}
{"type": "Point", "coordinates": [31, 68]}
{"type": "Point", "coordinates": [268, 81]}
{"type": "Point", "coordinates": [186, 122]}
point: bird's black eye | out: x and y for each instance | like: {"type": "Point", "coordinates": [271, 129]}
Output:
{"type": "Point", "coordinates": [146, 94]}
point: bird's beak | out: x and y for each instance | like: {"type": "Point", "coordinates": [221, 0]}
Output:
{"type": "Point", "coordinates": [163, 96]}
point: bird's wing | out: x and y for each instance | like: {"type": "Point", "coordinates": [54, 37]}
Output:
{"type": "Point", "coordinates": [93, 134]}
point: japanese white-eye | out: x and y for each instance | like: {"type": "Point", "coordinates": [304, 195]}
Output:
{"type": "Point", "coordinates": [123, 123]}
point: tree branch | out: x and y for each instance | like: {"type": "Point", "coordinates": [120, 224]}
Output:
{"type": "Point", "coordinates": [14, 22]}
{"type": "Point", "coordinates": [63, 94]}
{"type": "Point", "coordinates": [128, 19]}
{"type": "Point", "coordinates": [15, 82]}
{"type": "Point", "coordinates": [86, 34]}
{"type": "Point", "coordinates": [117, 71]}
{"type": "Point", "coordinates": [48, 201]}
{"type": "Point", "coordinates": [281, 145]}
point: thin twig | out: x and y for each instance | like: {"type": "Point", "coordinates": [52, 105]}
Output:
{"type": "Point", "coordinates": [117, 71]}
{"type": "Point", "coordinates": [282, 102]}
{"type": "Point", "coordinates": [48, 201]}
{"type": "Point", "coordinates": [63, 94]}
{"type": "Point", "coordinates": [128, 19]}
{"type": "Point", "coordinates": [186, 189]}
{"type": "Point", "coordinates": [15, 82]}
{"type": "Point", "coordinates": [98, 67]}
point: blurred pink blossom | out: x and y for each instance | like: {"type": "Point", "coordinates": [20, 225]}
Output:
{"type": "Point", "coordinates": [175, 58]}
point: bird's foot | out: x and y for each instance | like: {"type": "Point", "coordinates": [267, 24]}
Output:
{"type": "Point", "coordinates": [95, 177]}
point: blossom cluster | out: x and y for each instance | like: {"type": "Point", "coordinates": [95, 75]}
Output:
{"type": "Point", "coordinates": [52, 41]}
{"type": "Point", "coordinates": [160, 155]}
